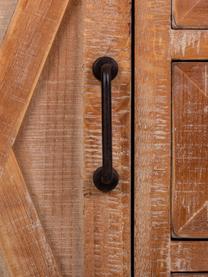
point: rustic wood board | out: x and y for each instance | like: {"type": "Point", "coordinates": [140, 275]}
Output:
{"type": "Point", "coordinates": [6, 11]}
{"type": "Point", "coordinates": [189, 275]}
{"type": "Point", "coordinates": [23, 53]}
{"type": "Point", "coordinates": [24, 246]}
{"type": "Point", "coordinates": [190, 14]}
{"type": "Point", "coordinates": [107, 216]}
{"type": "Point", "coordinates": [190, 152]}
{"type": "Point", "coordinates": [189, 256]}
{"type": "Point", "coordinates": [51, 137]}
{"type": "Point", "coordinates": [89, 231]}
{"type": "Point", "coordinates": [156, 45]}
{"type": "Point", "coordinates": [152, 138]}
{"type": "Point", "coordinates": [23, 243]}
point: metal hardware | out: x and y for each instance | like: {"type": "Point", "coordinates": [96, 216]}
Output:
{"type": "Point", "coordinates": [106, 178]}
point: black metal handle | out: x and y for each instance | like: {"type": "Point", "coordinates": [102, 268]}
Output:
{"type": "Point", "coordinates": [106, 178]}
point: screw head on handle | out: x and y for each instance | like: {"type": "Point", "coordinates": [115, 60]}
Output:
{"type": "Point", "coordinates": [105, 187]}
{"type": "Point", "coordinates": [100, 62]}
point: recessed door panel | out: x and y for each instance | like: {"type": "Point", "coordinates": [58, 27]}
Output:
{"type": "Point", "coordinates": [190, 149]}
{"type": "Point", "coordinates": [190, 14]}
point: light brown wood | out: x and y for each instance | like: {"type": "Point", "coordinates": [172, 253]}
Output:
{"type": "Point", "coordinates": [157, 44]}
{"type": "Point", "coordinates": [189, 275]}
{"type": "Point", "coordinates": [23, 242]}
{"type": "Point", "coordinates": [6, 11]}
{"type": "Point", "coordinates": [189, 192]}
{"type": "Point", "coordinates": [88, 231]}
{"type": "Point", "coordinates": [51, 136]}
{"type": "Point", "coordinates": [152, 138]}
{"type": "Point", "coordinates": [22, 54]}
{"type": "Point", "coordinates": [189, 256]}
{"type": "Point", "coordinates": [107, 216]}
{"type": "Point", "coordinates": [188, 44]}
{"type": "Point", "coordinates": [190, 14]}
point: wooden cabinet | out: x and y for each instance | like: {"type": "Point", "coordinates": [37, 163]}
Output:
{"type": "Point", "coordinates": [53, 220]}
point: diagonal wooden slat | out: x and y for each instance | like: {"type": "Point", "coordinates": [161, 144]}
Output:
{"type": "Point", "coordinates": [22, 56]}
{"type": "Point", "coordinates": [22, 240]}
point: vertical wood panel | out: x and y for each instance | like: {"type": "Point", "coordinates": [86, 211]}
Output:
{"type": "Point", "coordinates": [152, 138]}
{"type": "Point", "coordinates": [190, 152]}
{"type": "Point", "coordinates": [107, 216]}
{"type": "Point", "coordinates": [49, 146]}
{"type": "Point", "coordinates": [6, 10]}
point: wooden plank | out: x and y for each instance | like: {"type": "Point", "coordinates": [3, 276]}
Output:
{"type": "Point", "coordinates": [6, 11]}
{"type": "Point", "coordinates": [89, 231]}
{"type": "Point", "coordinates": [107, 216]}
{"type": "Point", "coordinates": [23, 243]}
{"type": "Point", "coordinates": [190, 14]}
{"type": "Point", "coordinates": [189, 275]}
{"type": "Point", "coordinates": [189, 256]}
{"type": "Point", "coordinates": [189, 44]}
{"type": "Point", "coordinates": [22, 56]}
{"type": "Point", "coordinates": [152, 138]}
{"type": "Point", "coordinates": [190, 152]}
{"type": "Point", "coordinates": [26, 252]}
{"type": "Point", "coordinates": [51, 136]}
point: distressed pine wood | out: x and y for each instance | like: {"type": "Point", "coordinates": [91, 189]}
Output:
{"type": "Point", "coordinates": [152, 138]}
{"type": "Point", "coordinates": [190, 152]}
{"type": "Point", "coordinates": [190, 14]}
{"type": "Point", "coordinates": [156, 45]}
{"type": "Point", "coordinates": [189, 275]}
{"type": "Point", "coordinates": [89, 231]}
{"type": "Point", "coordinates": [189, 256]}
{"type": "Point", "coordinates": [189, 44]}
{"type": "Point", "coordinates": [107, 216]}
{"type": "Point", "coordinates": [23, 243]}
{"type": "Point", "coordinates": [6, 11]}
{"type": "Point", "coordinates": [51, 136]}
{"type": "Point", "coordinates": [22, 55]}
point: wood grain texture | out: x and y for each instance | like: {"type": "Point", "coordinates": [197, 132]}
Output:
{"type": "Point", "coordinates": [156, 45]}
{"type": "Point", "coordinates": [190, 14]}
{"type": "Point", "coordinates": [189, 256]}
{"type": "Point", "coordinates": [49, 146]}
{"type": "Point", "coordinates": [189, 44]}
{"type": "Point", "coordinates": [152, 138]}
{"type": "Point", "coordinates": [189, 275]}
{"type": "Point", "coordinates": [23, 242]}
{"type": "Point", "coordinates": [107, 216]}
{"type": "Point", "coordinates": [89, 231]}
{"type": "Point", "coordinates": [22, 55]}
{"type": "Point", "coordinates": [6, 11]}
{"type": "Point", "coordinates": [190, 152]}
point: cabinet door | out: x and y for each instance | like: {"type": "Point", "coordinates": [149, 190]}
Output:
{"type": "Point", "coordinates": [171, 134]}
{"type": "Point", "coordinates": [53, 220]}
